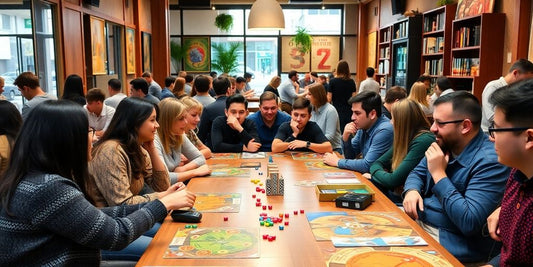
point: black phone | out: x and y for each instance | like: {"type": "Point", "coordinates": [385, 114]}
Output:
{"type": "Point", "coordinates": [186, 216]}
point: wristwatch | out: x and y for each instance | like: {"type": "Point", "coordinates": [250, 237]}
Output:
{"type": "Point", "coordinates": [308, 144]}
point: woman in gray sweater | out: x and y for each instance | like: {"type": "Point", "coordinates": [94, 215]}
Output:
{"type": "Point", "coordinates": [46, 216]}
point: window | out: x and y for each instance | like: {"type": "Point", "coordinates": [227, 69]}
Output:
{"type": "Point", "coordinates": [6, 22]}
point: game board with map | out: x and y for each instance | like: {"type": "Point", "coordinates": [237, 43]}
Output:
{"type": "Point", "coordinates": [218, 202]}
{"type": "Point", "coordinates": [394, 256]}
{"type": "Point", "coordinates": [390, 241]}
{"type": "Point", "coordinates": [324, 225]}
{"type": "Point", "coordinates": [306, 156]}
{"type": "Point", "coordinates": [257, 155]}
{"type": "Point", "coordinates": [317, 165]}
{"type": "Point", "coordinates": [225, 155]}
{"type": "Point", "coordinates": [216, 242]}
{"type": "Point", "coordinates": [231, 172]}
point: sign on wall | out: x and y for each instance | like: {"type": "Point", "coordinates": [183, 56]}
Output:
{"type": "Point", "coordinates": [291, 58]}
{"type": "Point", "coordinates": [324, 53]}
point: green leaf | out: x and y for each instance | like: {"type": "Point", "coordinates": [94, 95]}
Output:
{"type": "Point", "coordinates": [302, 40]}
{"type": "Point", "coordinates": [226, 58]}
{"type": "Point", "coordinates": [224, 22]}
{"type": "Point", "coordinates": [177, 53]}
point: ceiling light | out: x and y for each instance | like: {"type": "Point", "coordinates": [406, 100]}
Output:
{"type": "Point", "coordinates": [266, 15]}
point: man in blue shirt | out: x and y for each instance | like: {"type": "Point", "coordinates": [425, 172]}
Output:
{"type": "Point", "coordinates": [169, 87]}
{"type": "Point", "coordinates": [459, 183]}
{"type": "Point", "coordinates": [373, 134]}
{"type": "Point", "coordinates": [268, 119]}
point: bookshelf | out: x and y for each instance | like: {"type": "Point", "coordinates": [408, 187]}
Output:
{"type": "Point", "coordinates": [436, 41]}
{"type": "Point", "coordinates": [406, 36]}
{"type": "Point", "coordinates": [477, 51]}
{"type": "Point", "coordinates": [384, 58]}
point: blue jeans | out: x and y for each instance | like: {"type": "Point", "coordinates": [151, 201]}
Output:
{"type": "Point", "coordinates": [135, 249]}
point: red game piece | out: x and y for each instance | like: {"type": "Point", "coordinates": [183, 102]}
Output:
{"type": "Point", "coordinates": [301, 211]}
{"type": "Point", "coordinates": [258, 200]}
{"type": "Point", "coordinates": [258, 204]}
{"type": "Point", "coordinates": [286, 223]}
{"type": "Point", "coordinates": [269, 207]}
{"type": "Point", "coordinates": [263, 191]}
{"type": "Point", "coordinates": [295, 212]}
{"type": "Point", "coordinates": [258, 189]}
{"type": "Point", "coordinates": [271, 238]}
{"type": "Point", "coordinates": [264, 207]}
{"type": "Point", "coordinates": [225, 219]}
{"type": "Point", "coordinates": [286, 215]}
{"type": "Point", "coordinates": [265, 237]}
{"type": "Point", "coordinates": [253, 196]}
{"type": "Point", "coordinates": [263, 214]}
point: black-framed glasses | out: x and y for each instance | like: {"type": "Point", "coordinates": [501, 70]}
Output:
{"type": "Point", "coordinates": [442, 123]}
{"type": "Point", "coordinates": [492, 130]}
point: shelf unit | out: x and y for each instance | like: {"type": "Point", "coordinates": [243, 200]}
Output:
{"type": "Point", "coordinates": [384, 57]}
{"type": "Point", "coordinates": [477, 51]}
{"type": "Point", "coordinates": [406, 36]}
{"type": "Point", "coordinates": [436, 41]}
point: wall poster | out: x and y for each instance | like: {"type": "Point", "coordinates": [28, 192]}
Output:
{"type": "Point", "coordinates": [291, 58]}
{"type": "Point", "coordinates": [324, 53]}
{"type": "Point", "coordinates": [130, 50]}
{"type": "Point", "coordinates": [198, 55]}
{"type": "Point", "coordinates": [147, 51]}
{"type": "Point", "coordinates": [98, 46]}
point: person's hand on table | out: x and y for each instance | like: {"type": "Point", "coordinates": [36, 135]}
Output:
{"type": "Point", "coordinates": [412, 202]}
{"type": "Point", "coordinates": [331, 159]}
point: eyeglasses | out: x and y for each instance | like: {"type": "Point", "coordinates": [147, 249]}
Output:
{"type": "Point", "coordinates": [492, 130]}
{"type": "Point", "coordinates": [92, 131]}
{"type": "Point", "coordinates": [442, 123]}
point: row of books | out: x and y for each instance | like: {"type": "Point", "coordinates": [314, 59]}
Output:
{"type": "Point", "coordinates": [434, 67]}
{"type": "Point", "coordinates": [467, 36]}
{"type": "Point", "coordinates": [434, 23]}
{"type": "Point", "coordinates": [465, 66]}
{"type": "Point", "coordinates": [383, 67]}
{"type": "Point", "coordinates": [384, 52]}
{"type": "Point", "coordinates": [385, 36]}
{"type": "Point", "coordinates": [433, 45]}
{"type": "Point", "coordinates": [401, 57]}
{"type": "Point", "coordinates": [400, 30]}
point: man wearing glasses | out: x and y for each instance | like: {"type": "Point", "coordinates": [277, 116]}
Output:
{"type": "Point", "coordinates": [512, 134]}
{"type": "Point", "coordinates": [459, 183]}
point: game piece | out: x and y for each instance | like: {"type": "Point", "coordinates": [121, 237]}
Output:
{"type": "Point", "coordinates": [270, 207]}
{"type": "Point", "coordinates": [265, 237]}
{"type": "Point", "coordinates": [187, 226]}
{"type": "Point", "coordinates": [280, 215]}
{"type": "Point", "coordinates": [258, 204]}
{"type": "Point", "coordinates": [263, 214]}
{"type": "Point", "coordinates": [271, 238]}
{"type": "Point", "coordinates": [262, 223]}
{"type": "Point", "coordinates": [270, 159]}
{"type": "Point", "coordinates": [295, 212]}
{"type": "Point", "coordinates": [301, 211]}
{"type": "Point", "coordinates": [261, 184]}
{"type": "Point", "coordinates": [253, 196]}
{"type": "Point", "coordinates": [263, 191]}
{"type": "Point", "coordinates": [225, 218]}
{"type": "Point", "coordinates": [286, 215]}
{"type": "Point", "coordinates": [286, 223]}
{"type": "Point", "coordinates": [281, 227]}
{"type": "Point", "coordinates": [257, 200]}
{"type": "Point", "coordinates": [264, 207]}
{"type": "Point", "coordinates": [258, 189]}
{"type": "Point", "coordinates": [194, 226]}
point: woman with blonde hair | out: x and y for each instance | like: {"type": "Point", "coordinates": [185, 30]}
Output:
{"type": "Point", "coordinates": [411, 140]}
{"type": "Point", "coordinates": [341, 88]}
{"type": "Point", "coordinates": [420, 95]}
{"type": "Point", "coordinates": [325, 115]}
{"type": "Point", "coordinates": [179, 88]}
{"type": "Point", "coordinates": [273, 85]}
{"type": "Point", "coordinates": [171, 143]}
{"type": "Point", "coordinates": [194, 111]}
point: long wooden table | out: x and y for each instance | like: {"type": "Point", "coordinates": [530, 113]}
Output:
{"type": "Point", "coordinates": [296, 245]}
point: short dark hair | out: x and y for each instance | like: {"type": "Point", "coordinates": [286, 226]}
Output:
{"type": "Point", "coordinates": [27, 79]}
{"type": "Point", "coordinates": [292, 73]}
{"type": "Point", "coordinates": [115, 84]}
{"type": "Point", "coordinates": [201, 83]}
{"type": "Point", "coordinates": [463, 104]}
{"type": "Point", "coordinates": [240, 80]}
{"type": "Point", "coordinates": [267, 95]}
{"type": "Point", "coordinates": [221, 85]}
{"type": "Point", "coordinates": [247, 75]}
{"type": "Point", "coordinates": [301, 103]}
{"type": "Point", "coordinates": [189, 78]}
{"type": "Point", "coordinates": [237, 98]}
{"type": "Point", "coordinates": [522, 65]}
{"type": "Point", "coordinates": [146, 74]}
{"type": "Point", "coordinates": [369, 100]}
{"type": "Point", "coordinates": [140, 84]}
{"type": "Point", "coordinates": [444, 83]}
{"type": "Point", "coordinates": [515, 100]}
{"type": "Point", "coordinates": [423, 78]}
{"type": "Point", "coordinates": [370, 72]}
{"type": "Point", "coordinates": [314, 74]}
{"type": "Point", "coordinates": [213, 74]}
{"type": "Point", "coordinates": [10, 121]}
{"type": "Point", "coordinates": [169, 81]}
{"type": "Point", "coordinates": [95, 94]}
{"type": "Point", "coordinates": [395, 93]}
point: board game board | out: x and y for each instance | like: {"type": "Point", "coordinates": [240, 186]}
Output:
{"type": "Point", "coordinates": [218, 202]}
{"type": "Point", "coordinates": [330, 175]}
{"type": "Point", "coordinates": [306, 156]}
{"type": "Point", "coordinates": [231, 172]}
{"type": "Point", "coordinates": [394, 256]}
{"type": "Point", "coordinates": [225, 155]}
{"type": "Point", "coordinates": [216, 242]}
{"type": "Point", "coordinates": [378, 241]}
{"type": "Point", "coordinates": [317, 165]}
{"type": "Point", "coordinates": [248, 155]}
{"type": "Point", "coordinates": [324, 225]}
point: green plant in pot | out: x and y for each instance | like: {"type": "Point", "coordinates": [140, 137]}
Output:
{"type": "Point", "coordinates": [177, 53]}
{"type": "Point", "coordinates": [226, 58]}
{"type": "Point", "coordinates": [224, 22]}
{"type": "Point", "coordinates": [302, 40]}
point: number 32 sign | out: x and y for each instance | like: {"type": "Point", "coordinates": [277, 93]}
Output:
{"type": "Point", "coordinates": [324, 55]}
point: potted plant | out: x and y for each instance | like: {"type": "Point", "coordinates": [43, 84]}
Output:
{"type": "Point", "coordinates": [226, 58]}
{"type": "Point", "coordinates": [224, 22]}
{"type": "Point", "coordinates": [177, 53]}
{"type": "Point", "coordinates": [302, 40]}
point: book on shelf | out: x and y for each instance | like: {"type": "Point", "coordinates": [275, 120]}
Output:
{"type": "Point", "coordinates": [434, 22]}
{"type": "Point", "coordinates": [401, 30]}
{"type": "Point", "coordinates": [434, 67]}
{"type": "Point", "coordinates": [383, 67]}
{"type": "Point", "coordinates": [385, 36]}
{"type": "Point", "coordinates": [465, 66]}
{"type": "Point", "coordinates": [467, 36]}
{"type": "Point", "coordinates": [433, 45]}
{"type": "Point", "coordinates": [384, 52]}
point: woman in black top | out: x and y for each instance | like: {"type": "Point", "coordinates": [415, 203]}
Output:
{"type": "Point", "coordinates": [272, 86]}
{"type": "Point", "coordinates": [73, 89]}
{"type": "Point", "coordinates": [341, 88]}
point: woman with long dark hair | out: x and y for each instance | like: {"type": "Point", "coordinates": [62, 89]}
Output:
{"type": "Point", "coordinates": [46, 215]}
{"type": "Point", "coordinates": [73, 89]}
{"type": "Point", "coordinates": [10, 123]}
{"type": "Point", "coordinates": [341, 88]}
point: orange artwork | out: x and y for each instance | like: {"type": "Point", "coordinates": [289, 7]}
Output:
{"type": "Point", "coordinates": [469, 8]}
{"type": "Point", "coordinates": [130, 50]}
{"type": "Point", "coordinates": [98, 46]}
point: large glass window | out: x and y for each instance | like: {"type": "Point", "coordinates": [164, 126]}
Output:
{"type": "Point", "coordinates": [44, 38]}
{"type": "Point", "coordinates": [261, 60]}
{"type": "Point", "coordinates": [202, 22]}
{"type": "Point", "coordinates": [226, 43]}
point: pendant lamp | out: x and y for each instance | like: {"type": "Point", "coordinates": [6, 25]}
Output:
{"type": "Point", "coordinates": [266, 15]}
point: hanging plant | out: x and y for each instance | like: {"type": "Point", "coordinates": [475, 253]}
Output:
{"type": "Point", "coordinates": [226, 57]}
{"type": "Point", "coordinates": [177, 53]}
{"type": "Point", "coordinates": [224, 22]}
{"type": "Point", "coordinates": [302, 40]}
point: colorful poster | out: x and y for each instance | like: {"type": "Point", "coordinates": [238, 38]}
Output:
{"type": "Point", "coordinates": [147, 51]}
{"type": "Point", "coordinates": [198, 55]}
{"type": "Point", "coordinates": [130, 51]}
{"type": "Point", "coordinates": [469, 8]}
{"type": "Point", "coordinates": [291, 58]}
{"type": "Point", "coordinates": [98, 46]}
{"type": "Point", "coordinates": [324, 53]}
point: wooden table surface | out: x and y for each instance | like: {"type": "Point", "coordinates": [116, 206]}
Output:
{"type": "Point", "coordinates": [296, 245]}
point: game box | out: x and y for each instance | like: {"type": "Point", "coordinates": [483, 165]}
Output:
{"type": "Point", "coordinates": [329, 192]}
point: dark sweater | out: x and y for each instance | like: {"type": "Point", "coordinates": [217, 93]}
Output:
{"type": "Point", "coordinates": [52, 224]}
{"type": "Point", "coordinates": [225, 139]}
